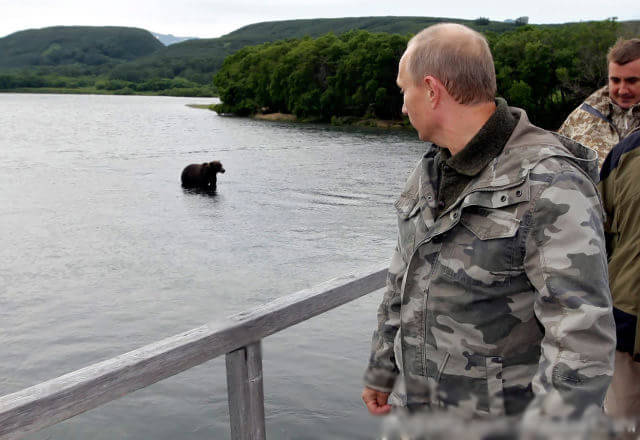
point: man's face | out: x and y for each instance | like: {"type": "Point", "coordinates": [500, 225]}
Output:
{"type": "Point", "coordinates": [416, 104]}
{"type": "Point", "coordinates": [624, 83]}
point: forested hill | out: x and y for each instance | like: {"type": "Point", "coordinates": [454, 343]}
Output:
{"type": "Point", "coordinates": [128, 60]}
{"type": "Point", "coordinates": [63, 45]}
{"type": "Point", "coordinates": [198, 59]}
{"type": "Point", "coordinates": [278, 30]}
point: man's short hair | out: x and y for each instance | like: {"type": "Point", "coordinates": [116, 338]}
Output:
{"type": "Point", "coordinates": [459, 57]}
{"type": "Point", "coordinates": [624, 51]}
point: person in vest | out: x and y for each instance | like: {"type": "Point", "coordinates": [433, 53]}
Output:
{"type": "Point", "coordinates": [621, 199]}
{"type": "Point", "coordinates": [613, 112]}
{"type": "Point", "coordinates": [497, 300]}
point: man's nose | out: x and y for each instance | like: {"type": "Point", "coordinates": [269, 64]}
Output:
{"type": "Point", "coordinates": [624, 88]}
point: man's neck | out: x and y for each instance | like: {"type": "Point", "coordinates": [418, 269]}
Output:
{"type": "Point", "coordinates": [463, 124]}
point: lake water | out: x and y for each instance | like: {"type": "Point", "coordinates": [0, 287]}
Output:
{"type": "Point", "coordinates": [103, 252]}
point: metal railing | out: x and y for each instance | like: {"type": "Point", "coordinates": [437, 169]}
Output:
{"type": "Point", "coordinates": [238, 337]}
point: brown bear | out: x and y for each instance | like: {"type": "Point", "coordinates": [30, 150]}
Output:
{"type": "Point", "coordinates": [202, 176]}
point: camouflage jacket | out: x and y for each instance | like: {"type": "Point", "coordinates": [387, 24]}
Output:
{"type": "Point", "coordinates": [501, 301]}
{"type": "Point", "coordinates": [600, 124]}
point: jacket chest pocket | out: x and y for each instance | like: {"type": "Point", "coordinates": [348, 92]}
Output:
{"type": "Point", "coordinates": [483, 248]}
{"type": "Point", "coordinates": [414, 220]}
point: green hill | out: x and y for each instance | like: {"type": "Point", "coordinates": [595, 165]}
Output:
{"type": "Point", "coordinates": [276, 30]}
{"type": "Point", "coordinates": [65, 45]}
{"type": "Point", "coordinates": [129, 60]}
{"type": "Point", "coordinates": [197, 60]}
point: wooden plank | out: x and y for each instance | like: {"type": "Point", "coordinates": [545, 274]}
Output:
{"type": "Point", "coordinates": [256, 392]}
{"type": "Point", "coordinates": [58, 399]}
{"type": "Point", "coordinates": [245, 393]}
{"type": "Point", "coordinates": [238, 393]}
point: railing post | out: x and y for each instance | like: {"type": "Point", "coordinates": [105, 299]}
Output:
{"type": "Point", "coordinates": [245, 393]}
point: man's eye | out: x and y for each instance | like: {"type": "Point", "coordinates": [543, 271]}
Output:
{"type": "Point", "coordinates": [615, 80]}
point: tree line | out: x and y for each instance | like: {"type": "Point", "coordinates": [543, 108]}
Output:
{"type": "Point", "coordinates": [548, 70]}
{"type": "Point", "coordinates": [62, 57]}
{"type": "Point", "coordinates": [41, 81]}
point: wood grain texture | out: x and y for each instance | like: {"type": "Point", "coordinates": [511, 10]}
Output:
{"type": "Point", "coordinates": [58, 399]}
{"type": "Point", "coordinates": [256, 391]}
{"type": "Point", "coordinates": [245, 393]}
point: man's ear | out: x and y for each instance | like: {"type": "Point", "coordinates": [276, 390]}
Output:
{"type": "Point", "coordinates": [433, 89]}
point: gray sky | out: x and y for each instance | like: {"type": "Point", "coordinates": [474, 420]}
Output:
{"type": "Point", "coordinates": [213, 18]}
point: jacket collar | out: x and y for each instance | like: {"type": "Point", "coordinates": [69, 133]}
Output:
{"type": "Point", "coordinates": [486, 145]}
{"type": "Point", "coordinates": [525, 148]}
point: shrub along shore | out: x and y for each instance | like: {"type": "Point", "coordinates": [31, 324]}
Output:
{"type": "Point", "coordinates": [31, 83]}
{"type": "Point", "coordinates": [344, 120]}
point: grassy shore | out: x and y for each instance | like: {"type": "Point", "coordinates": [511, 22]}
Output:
{"type": "Point", "coordinates": [345, 120]}
{"type": "Point", "coordinates": [282, 117]}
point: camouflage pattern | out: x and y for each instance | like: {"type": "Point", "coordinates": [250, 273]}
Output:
{"type": "Point", "coordinates": [500, 302]}
{"type": "Point", "coordinates": [596, 133]}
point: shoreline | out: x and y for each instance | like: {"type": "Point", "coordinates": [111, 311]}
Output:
{"type": "Point", "coordinates": [94, 91]}
{"type": "Point", "coordinates": [385, 124]}
{"type": "Point", "coordinates": [276, 117]}
{"type": "Point", "coordinates": [336, 121]}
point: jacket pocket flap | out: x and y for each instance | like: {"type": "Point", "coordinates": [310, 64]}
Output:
{"type": "Point", "coordinates": [499, 199]}
{"type": "Point", "coordinates": [488, 224]}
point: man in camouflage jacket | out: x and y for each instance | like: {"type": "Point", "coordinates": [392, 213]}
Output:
{"type": "Point", "coordinates": [613, 112]}
{"type": "Point", "coordinates": [497, 298]}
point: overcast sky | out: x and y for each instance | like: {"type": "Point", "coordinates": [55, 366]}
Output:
{"type": "Point", "coordinates": [213, 18]}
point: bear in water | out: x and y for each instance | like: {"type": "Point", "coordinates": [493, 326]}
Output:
{"type": "Point", "coordinates": [202, 176]}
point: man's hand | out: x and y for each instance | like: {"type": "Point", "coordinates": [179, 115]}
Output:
{"type": "Point", "coordinates": [376, 401]}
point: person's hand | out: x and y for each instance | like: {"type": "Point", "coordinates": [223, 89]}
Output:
{"type": "Point", "coordinates": [376, 401]}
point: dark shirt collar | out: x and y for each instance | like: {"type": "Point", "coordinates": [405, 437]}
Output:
{"type": "Point", "coordinates": [486, 145]}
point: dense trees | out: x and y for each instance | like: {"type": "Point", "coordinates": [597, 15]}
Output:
{"type": "Point", "coordinates": [41, 81]}
{"type": "Point", "coordinates": [550, 70]}
{"type": "Point", "coordinates": [546, 70]}
{"type": "Point", "coordinates": [351, 74]}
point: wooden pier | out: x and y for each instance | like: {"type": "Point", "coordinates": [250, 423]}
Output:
{"type": "Point", "coordinates": [239, 337]}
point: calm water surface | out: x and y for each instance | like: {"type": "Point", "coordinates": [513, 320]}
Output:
{"type": "Point", "coordinates": [102, 252]}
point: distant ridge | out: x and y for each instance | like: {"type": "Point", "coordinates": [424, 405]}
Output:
{"type": "Point", "coordinates": [273, 30]}
{"type": "Point", "coordinates": [136, 55]}
{"type": "Point", "coordinates": [169, 39]}
{"type": "Point", "coordinates": [87, 45]}
{"type": "Point", "coordinates": [205, 56]}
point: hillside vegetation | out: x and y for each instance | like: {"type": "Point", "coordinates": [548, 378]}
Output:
{"type": "Point", "coordinates": [127, 60]}
{"type": "Point", "coordinates": [91, 46]}
{"type": "Point", "coordinates": [546, 70]}
{"type": "Point", "coordinates": [125, 55]}
{"type": "Point", "coordinates": [82, 58]}
{"type": "Point", "coordinates": [197, 60]}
